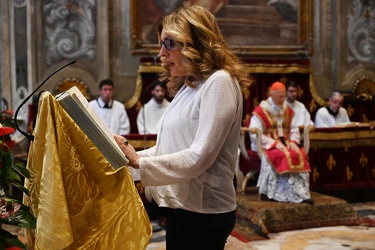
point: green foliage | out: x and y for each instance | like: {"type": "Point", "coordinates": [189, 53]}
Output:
{"type": "Point", "coordinates": [8, 239]}
{"type": "Point", "coordinates": [12, 211]}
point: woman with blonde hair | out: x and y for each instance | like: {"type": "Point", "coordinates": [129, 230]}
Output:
{"type": "Point", "coordinates": [189, 172]}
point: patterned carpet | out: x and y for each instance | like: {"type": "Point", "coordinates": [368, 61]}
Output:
{"type": "Point", "coordinates": [256, 219]}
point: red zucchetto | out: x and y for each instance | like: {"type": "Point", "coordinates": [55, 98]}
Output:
{"type": "Point", "coordinates": [278, 86]}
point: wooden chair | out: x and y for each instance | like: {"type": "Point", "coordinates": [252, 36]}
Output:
{"type": "Point", "coordinates": [251, 160]}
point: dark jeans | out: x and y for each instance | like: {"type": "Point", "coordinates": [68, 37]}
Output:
{"type": "Point", "coordinates": [195, 231]}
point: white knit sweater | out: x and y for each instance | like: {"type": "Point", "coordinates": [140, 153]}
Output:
{"type": "Point", "coordinates": [193, 163]}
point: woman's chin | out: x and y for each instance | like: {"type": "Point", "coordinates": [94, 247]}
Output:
{"type": "Point", "coordinates": [176, 73]}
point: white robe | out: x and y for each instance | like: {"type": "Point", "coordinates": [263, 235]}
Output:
{"type": "Point", "coordinates": [323, 119]}
{"type": "Point", "coordinates": [288, 187]}
{"type": "Point", "coordinates": [149, 116]}
{"type": "Point", "coordinates": [115, 117]}
{"type": "Point", "coordinates": [302, 117]}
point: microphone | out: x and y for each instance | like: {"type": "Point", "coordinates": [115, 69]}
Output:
{"type": "Point", "coordinates": [27, 135]}
{"type": "Point", "coordinates": [150, 86]}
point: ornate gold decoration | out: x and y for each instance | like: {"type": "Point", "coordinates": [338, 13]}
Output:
{"type": "Point", "coordinates": [312, 105]}
{"type": "Point", "coordinates": [349, 174]}
{"type": "Point", "coordinates": [364, 88]}
{"type": "Point", "coordinates": [68, 82]}
{"type": "Point", "coordinates": [315, 174]}
{"type": "Point", "coordinates": [350, 110]}
{"type": "Point", "coordinates": [331, 162]}
{"type": "Point", "coordinates": [363, 160]}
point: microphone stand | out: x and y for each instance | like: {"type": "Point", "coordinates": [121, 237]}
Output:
{"type": "Point", "coordinates": [27, 135]}
{"type": "Point", "coordinates": [143, 97]}
{"type": "Point", "coordinates": [144, 127]}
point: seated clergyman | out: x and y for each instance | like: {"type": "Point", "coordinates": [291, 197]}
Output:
{"type": "Point", "coordinates": [333, 114]}
{"type": "Point", "coordinates": [284, 174]}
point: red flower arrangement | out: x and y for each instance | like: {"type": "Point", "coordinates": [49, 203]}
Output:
{"type": "Point", "coordinates": [6, 119]}
{"type": "Point", "coordinates": [12, 211]}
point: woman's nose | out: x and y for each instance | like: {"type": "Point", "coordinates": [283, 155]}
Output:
{"type": "Point", "coordinates": [163, 51]}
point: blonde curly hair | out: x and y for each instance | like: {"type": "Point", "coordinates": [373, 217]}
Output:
{"type": "Point", "coordinates": [195, 30]}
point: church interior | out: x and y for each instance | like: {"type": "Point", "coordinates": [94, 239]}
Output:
{"type": "Point", "coordinates": [323, 45]}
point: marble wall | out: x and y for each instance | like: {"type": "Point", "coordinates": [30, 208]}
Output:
{"type": "Point", "coordinates": [344, 47]}
{"type": "Point", "coordinates": [37, 37]}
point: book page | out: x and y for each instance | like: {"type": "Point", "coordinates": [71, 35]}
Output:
{"type": "Point", "coordinates": [352, 125]}
{"type": "Point", "coordinates": [76, 105]}
{"type": "Point", "coordinates": [80, 99]}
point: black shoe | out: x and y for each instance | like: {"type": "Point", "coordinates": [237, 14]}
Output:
{"type": "Point", "coordinates": [264, 197]}
{"type": "Point", "coordinates": [156, 227]}
{"type": "Point", "coordinates": [309, 201]}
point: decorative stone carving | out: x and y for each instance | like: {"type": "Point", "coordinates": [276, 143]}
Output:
{"type": "Point", "coordinates": [70, 30]}
{"type": "Point", "coordinates": [360, 33]}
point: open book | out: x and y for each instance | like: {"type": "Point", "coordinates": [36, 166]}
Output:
{"type": "Point", "coordinates": [76, 105]}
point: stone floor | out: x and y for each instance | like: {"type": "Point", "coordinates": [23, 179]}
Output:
{"type": "Point", "coordinates": [332, 238]}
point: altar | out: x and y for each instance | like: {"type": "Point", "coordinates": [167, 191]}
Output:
{"type": "Point", "coordinates": [343, 162]}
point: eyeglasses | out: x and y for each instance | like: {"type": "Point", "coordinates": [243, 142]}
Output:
{"type": "Point", "coordinates": [168, 43]}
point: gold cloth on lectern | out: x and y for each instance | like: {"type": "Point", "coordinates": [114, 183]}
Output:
{"type": "Point", "coordinates": [79, 201]}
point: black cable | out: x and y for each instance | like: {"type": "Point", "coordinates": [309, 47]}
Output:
{"type": "Point", "coordinates": [27, 135]}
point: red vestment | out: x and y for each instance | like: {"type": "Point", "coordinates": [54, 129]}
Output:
{"type": "Point", "coordinates": [283, 162]}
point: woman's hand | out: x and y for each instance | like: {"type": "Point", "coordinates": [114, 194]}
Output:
{"type": "Point", "coordinates": [128, 150]}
